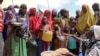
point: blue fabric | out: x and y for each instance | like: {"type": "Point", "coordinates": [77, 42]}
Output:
{"type": "Point", "coordinates": [80, 54]}
{"type": "Point", "coordinates": [72, 43]}
{"type": "Point", "coordinates": [40, 47]}
{"type": "Point", "coordinates": [5, 26]}
{"type": "Point", "coordinates": [25, 25]}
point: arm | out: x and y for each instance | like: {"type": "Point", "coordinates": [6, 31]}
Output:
{"type": "Point", "coordinates": [77, 38]}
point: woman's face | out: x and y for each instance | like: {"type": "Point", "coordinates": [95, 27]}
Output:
{"type": "Point", "coordinates": [24, 9]}
{"type": "Point", "coordinates": [10, 14]}
{"type": "Point", "coordinates": [84, 8]}
{"type": "Point", "coordinates": [33, 11]}
{"type": "Point", "coordinates": [64, 13]}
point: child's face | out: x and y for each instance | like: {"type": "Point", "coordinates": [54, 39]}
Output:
{"type": "Point", "coordinates": [55, 20]}
{"type": "Point", "coordinates": [73, 31]}
{"type": "Point", "coordinates": [44, 20]}
{"type": "Point", "coordinates": [10, 15]}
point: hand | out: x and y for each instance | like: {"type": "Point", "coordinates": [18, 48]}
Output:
{"type": "Point", "coordinates": [68, 34]}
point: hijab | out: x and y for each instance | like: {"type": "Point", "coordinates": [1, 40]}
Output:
{"type": "Point", "coordinates": [22, 7]}
{"type": "Point", "coordinates": [12, 9]}
{"type": "Point", "coordinates": [85, 20]}
{"type": "Point", "coordinates": [33, 18]}
{"type": "Point", "coordinates": [50, 21]}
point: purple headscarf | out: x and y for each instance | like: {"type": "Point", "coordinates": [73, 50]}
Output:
{"type": "Point", "coordinates": [12, 8]}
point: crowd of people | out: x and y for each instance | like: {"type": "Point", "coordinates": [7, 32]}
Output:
{"type": "Point", "coordinates": [72, 33]}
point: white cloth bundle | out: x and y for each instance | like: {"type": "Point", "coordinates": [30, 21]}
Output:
{"type": "Point", "coordinates": [96, 30]}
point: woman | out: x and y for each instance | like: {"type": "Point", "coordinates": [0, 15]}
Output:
{"type": "Point", "coordinates": [11, 8]}
{"type": "Point", "coordinates": [18, 43]}
{"type": "Point", "coordinates": [64, 16]}
{"type": "Point", "coordinates": [96, 9]}
{"type": "Point", "coordinates": [33, 17]}
{"type": "Point", "coordinates": [90, 41]}
{"type": "Point", "coordinates": [85, 20]}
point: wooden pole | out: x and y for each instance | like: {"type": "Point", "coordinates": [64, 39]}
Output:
{"type": "Point", "coordinates": [12, 2]}
{"type": "Point", "coordinates": [48, 4]}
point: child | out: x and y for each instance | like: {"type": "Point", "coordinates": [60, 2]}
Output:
{"type": "Point", "coordinates": [55, 27]}
{"type": "Point", "coordinates": [9, 30]}
{"type": "Point", "coordinates": [72, 22]}
{"type": "Point", "coordinates": [62, 34]}
{"type": "Point", "coordinates": [72, 43]}
{"type": "Point", "coordinates": [43, 45]}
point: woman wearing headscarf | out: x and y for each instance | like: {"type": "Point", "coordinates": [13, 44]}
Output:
{"type": "Point", "coordinates": [33, 17]}
{"type": "Point", "coordinates": [85, 20]}
{"type": "Point", "coordinates": [96, 9]}
{"type": "Point", "coordinates": [90, 42]}
{"type": "Point", "coordinates": [11, 8]}
{"type": "Point", "coordinates": [18, 41]}
{"type": "Point", "coordinates": [64, 16]}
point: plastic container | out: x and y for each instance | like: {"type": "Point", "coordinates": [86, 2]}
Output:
{"type": "Point", "coordinates": [47, 36]}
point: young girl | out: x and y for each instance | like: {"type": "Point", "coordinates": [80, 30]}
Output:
{"type": "Point", "coordinates": [72, 43]}
{"type": "Point", "coordinates": [62, 34]}
{"type": "Point", "coordinates": [43, 45]}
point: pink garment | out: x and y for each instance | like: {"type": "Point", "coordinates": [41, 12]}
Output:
{"type": "Point", "coordinates": [33, 19]}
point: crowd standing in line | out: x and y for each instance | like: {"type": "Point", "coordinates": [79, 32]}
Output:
{"type": "Point", "coordinates": [49, 30]}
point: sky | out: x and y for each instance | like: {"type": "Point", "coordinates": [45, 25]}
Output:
{"type": "Point", "coordinates": [71, 5]}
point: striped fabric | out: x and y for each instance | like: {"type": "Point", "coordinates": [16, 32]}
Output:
{"type": "Point", "coordinates": [1, 20]}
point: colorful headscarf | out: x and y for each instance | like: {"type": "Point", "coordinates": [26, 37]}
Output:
{"type": "Point", "coordinates": [12, 9]}
{"type": "Point", "coordinates": [85, 20]}
{"type": "Point", "coordinates": [33, 21]}
{"type": "Point", "coordinates": [6, 19]}
{"type": "Point", "coordinates": [50, 21]}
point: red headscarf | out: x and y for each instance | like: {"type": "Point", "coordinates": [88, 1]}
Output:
{"type": "Point", "coordinates": [33, 19]}
{"type": "Point", "coordinates": [50, 21]}
{"type": "Point", "coordinates": [39, 21]}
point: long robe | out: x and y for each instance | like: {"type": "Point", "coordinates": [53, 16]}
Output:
{"type": "Point", "coordinates": [18, 47]}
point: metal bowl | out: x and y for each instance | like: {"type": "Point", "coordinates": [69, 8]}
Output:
{"type": "Point", "coordinates": [17, 24]}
